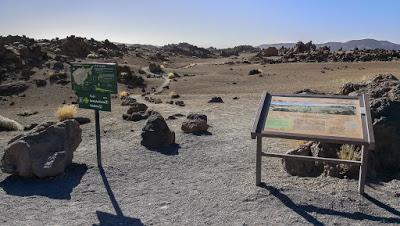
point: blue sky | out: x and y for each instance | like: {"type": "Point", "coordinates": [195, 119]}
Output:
{"type": "Point", "coordinates": [219, 23]}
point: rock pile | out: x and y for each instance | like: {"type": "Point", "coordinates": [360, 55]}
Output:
{"type": "Point", "coordinates": [308, 52]}
{"type": "Point", "coordinates": [44, 151]}
{"type": "Point", "coordinates": [384, 93]}
{"type": "Point", "coordinates": [128, 77]}
{"type": "Point", "coordinates": [186, 49]}
{"type": "Point", "coordinates": [136, 112]}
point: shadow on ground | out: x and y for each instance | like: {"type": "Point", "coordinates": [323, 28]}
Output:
{"type": "Point", "coordinates": [305, 210]}
{"type": "Point", "coordinates": [202, 133]}
{"type": "Point", "coordinates": [169, 150]}
{"type": "Point", "coordinates": [119, 218]}
{"type": "Point", "coordinates": [59, 187]}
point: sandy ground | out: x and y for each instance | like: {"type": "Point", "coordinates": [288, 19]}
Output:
{"type": "Point", "coordinates": [204, 180]}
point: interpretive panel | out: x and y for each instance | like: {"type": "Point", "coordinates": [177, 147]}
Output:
{"type": "Point", "coordinates": [315, 116]}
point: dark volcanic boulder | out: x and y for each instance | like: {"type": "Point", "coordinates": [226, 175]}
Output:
{"type": "Point", "coordinates": [155, 68]}
{"type": "Point", "coordinates": [128, 77]}
{"type": "Point", "coordinates": [13, 88]}
{"type": "Point", "coordinates": [270, 51]}
{"type": "Point", "coordinates": [136, 107]}
{"type": "Point", "coordinates": [128, 101]}
{"type": "Point", "coordinates": [9, 58]}
{"type": "Point", "coordinates": [216, 100]}
{"type": "Point", "coordinates": [40, 82]}
{"type": "Point", "coordinates": [384, 92]}
{"type": "Point", "coordinates": [44, 151]}
{"type": "Point", "coordinates": [255, 71]}
{"type": "Point", "coordinates": [156, 133]}
{"type": "Point", "coordinates": [75, 47]}
{"type": "Point", "coordinates": [302, 168]}
{"type": "Point", "coordinates": [136, 112]}
{"type": "Point", "coordinates": [195, 123]}
{"type": "Point", "coordinates": [33, 55]}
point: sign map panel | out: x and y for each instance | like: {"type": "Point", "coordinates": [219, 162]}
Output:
{"type": "Point", "coordinates": [315, 116]}
{"type": "Point", "coordinates": [94, 77]}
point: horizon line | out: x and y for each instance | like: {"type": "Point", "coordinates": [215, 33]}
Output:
{"type": "Point", "coordinates": [191, 43]}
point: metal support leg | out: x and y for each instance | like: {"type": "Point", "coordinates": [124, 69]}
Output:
{"type": "Point", "coordinates": [98, 142]}
{"type": "Point", "coordinates": [258, 160]}
{"type": "Point", "coordinates": [363, 168]}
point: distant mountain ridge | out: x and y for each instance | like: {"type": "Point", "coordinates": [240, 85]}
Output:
{"type": "Point", "coordinates": [360, 44]}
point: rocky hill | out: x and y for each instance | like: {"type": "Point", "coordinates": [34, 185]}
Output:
{"type": "Point", "coordinates": [350, 45]}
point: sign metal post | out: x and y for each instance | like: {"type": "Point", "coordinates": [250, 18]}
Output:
{"type": "Point", "coordinates": [98, 142]}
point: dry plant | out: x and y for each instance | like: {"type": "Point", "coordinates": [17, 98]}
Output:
{"type": "Point", "coordinates": [9, 124]}
{"type": "Point", "coordinates": [296, 143]}
{"type": "Point", "coordinates": [123, 94]}
{"type": "Point", "coordinates": [170, 75]}
{"type": "Point", "coordinates": [66, 112]}
{"type": "Point", "coordinates": [173, 94]}
{"type": "Point", "coordinates": [348, 152]}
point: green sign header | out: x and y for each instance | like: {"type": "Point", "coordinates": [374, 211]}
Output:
{"type": "Point", "coordinates": [96, 101]}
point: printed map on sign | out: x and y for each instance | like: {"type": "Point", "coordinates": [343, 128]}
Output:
{"type": "Point", "coordinates": [315, 116]}
{"type": "Point", "coordinates": [94, 77]}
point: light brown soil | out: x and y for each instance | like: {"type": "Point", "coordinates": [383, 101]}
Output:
{"type": "Point", "coordinates": [205, 180]}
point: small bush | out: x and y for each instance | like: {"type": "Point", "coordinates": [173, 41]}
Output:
{"type": "Point", "coordinates": [123, 94]}
{"type": "Point", "coordinates": [170, 75]}
{"type": "Point", "coordinates": [173, 95]}
{"type": "Point", "coordinates": [7, 124]}
{"type": "Point", "coordinates": [349, 152]}
{"type": "Point", "coordinates": [55, 76]}
{"type": "Point", "coordinates": [66, 112]}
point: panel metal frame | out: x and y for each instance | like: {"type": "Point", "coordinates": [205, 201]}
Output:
{"type": "Point", "coordinates": [367, 142]}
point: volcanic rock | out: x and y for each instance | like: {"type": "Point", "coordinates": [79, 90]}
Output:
{"type": "Point", "coordinates": [156, 133]}
{"type": "Point", "coordinates": [44, 151]}
{"type": "Point", "coordinates": [195, 123]}
{"type": "Point", "coordinates": [216, 100]}
{"type": "Point", "coordinates": [13, 88]}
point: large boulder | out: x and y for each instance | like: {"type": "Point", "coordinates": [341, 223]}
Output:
{"type": "Point", "coordinates": [136, 107]}
{"type": "Point", "coordinates": [14, 88]}
{"type": "Point", "coordinates": [128, 77]}
{"type": "Point", "coordinates": [302, 168]}
{"type": "Point", "coordinates": [384, 93]}
{"type": "Point", "coordinates": [9, 58]}
{"type": "Point", "coordinates": [270, 51]}
{"type": "Point", "coordinates": [255, 71]}
{"type": "Point", "coordinates": [155, 68]}
{"type": "Point", "coordinates": [75, 47]}
{"type": "Point", "coordinates": [156, 133]}
{"type": "Point", "coordinates": [300, 47]}
{"type": "Point", "coordinates": [44, 151]}
{"type": "Point", "coordinates": [136, 112]}
{"type": "Point", "coordinates": [216, 100]}
{"type": "Point", "coordinates": [33, 55]}
{"type": "Point", "coordinates": [195, 123]}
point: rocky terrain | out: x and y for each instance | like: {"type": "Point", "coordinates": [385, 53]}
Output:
{"type": "Point", "coordinates": [176, 148]}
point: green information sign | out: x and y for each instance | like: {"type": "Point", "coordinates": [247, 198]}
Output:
{"type": "Point", "coordinates": [96, 101]}
{"type": "Point", "coordinates": [94, 77]}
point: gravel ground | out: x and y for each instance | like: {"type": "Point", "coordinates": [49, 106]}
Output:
{"type": "Point", "coordinates": [205, 180]}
